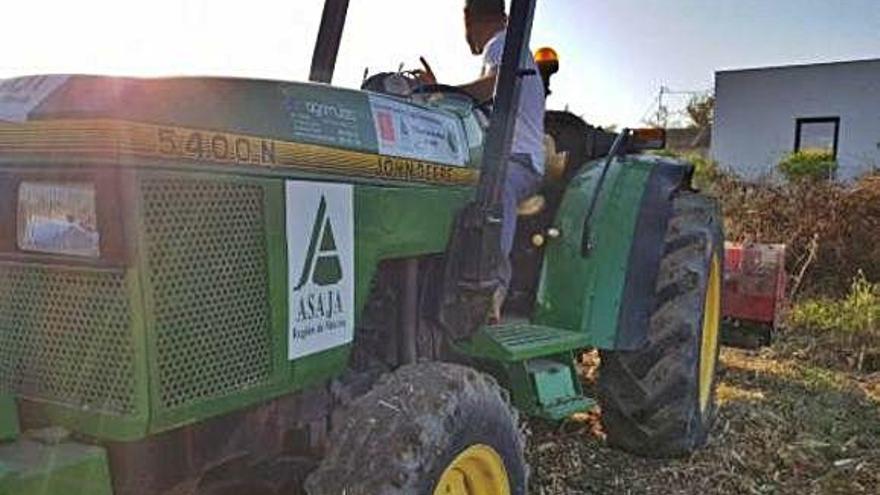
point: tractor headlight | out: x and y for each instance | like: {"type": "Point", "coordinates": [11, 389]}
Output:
{"type": "Point", "coordinates": [58, 218]}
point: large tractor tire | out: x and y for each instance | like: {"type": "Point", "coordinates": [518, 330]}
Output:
{"type": "Point", "coordinates": [659, 401]}
{"type": "Point", "coordinates": [426, 429]}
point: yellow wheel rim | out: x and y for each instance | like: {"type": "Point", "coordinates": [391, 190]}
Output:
{"type": "Point", "coordinates": [478, 470]}
{"type": "Point", "coordinates": [711, 325]}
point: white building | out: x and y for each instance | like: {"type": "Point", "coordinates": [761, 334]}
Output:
{"type": "Point", "coordinates": [762, 114]}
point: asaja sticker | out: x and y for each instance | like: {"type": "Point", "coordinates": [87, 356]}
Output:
{"type": "Point", "coordinates": [320, 254]}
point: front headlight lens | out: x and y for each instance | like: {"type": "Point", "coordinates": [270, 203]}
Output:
{"type": "Point", "coordinates": [58, 218]}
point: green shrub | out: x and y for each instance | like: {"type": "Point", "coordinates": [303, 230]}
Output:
{"type": "Point", "coordinates": [808, 164]}
{"type": "Point", "coordinates": [706, 171]}
{"type": "Point", "coordinates": [858, 312]}
{"type": "Point", "coordinates": [849, 326]}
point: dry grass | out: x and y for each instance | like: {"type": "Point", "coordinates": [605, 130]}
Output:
{"type": "Point", "coordinates": [832, 230]}
{"type": "Point", "coordinates": [785, 425]}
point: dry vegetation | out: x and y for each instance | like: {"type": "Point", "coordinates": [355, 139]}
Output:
{"type": "Point", "coordinates": [799, 417]}
{"type": "Point", "coordinates": [785, 425]}
{"type": "Point", "coordinates": [832, 230]}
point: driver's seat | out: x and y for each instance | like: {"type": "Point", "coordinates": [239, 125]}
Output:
{"type": "Point", "coordinates": [554, 170]}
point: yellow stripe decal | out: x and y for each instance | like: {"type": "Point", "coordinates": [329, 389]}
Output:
{"type": "Point", "coordinates": [121, 138]}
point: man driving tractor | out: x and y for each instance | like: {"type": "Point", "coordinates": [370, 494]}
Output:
{"type": "Point", "coordinates": [485, 24]}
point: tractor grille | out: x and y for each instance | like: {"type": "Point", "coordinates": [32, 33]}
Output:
{"type": "Point", "coordinates": [207, 266]}
{"type": "Point", "coordinates": [65, 337]}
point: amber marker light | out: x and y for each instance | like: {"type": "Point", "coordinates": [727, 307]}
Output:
{"type": "Point", "coordinates": [547, 61]}
{"type": "Point", "coordinates": [547, 57]}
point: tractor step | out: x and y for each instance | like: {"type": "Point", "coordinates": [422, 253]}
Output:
{"type": "Point", "coordinates": [554, 385]}
{"type": "Point", "coordinates": [537, 365]}
{"type": "Point", "coordinates": [522, 341]}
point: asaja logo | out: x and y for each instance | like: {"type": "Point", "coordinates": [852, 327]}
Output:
{"type": "Point", "coordinates": [320, 244]}
{"type": "Point", "coordinates": [322, 266]}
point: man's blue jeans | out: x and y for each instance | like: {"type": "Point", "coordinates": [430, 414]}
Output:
{"type": "Point", "coordinates": [521, 182]}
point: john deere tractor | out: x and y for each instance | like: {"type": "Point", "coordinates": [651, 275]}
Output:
{"type": "Point", "coordinates": [226, 286]}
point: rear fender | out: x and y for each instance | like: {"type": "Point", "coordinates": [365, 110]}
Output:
{"type": "Point", "coordinates": [608, 293]}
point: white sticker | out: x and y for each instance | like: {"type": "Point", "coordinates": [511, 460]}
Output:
{"type": "Point", "coordinates": [320, 258]}
{"type": "Point", "coordinates": [19, 96]}
{"type": "Point", "coordinates": [409, 131]}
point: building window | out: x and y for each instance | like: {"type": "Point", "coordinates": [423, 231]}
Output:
{"type": "Point", "coordinates": [817, 134]}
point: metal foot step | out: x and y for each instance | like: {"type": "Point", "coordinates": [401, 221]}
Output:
{"type": "Point", "coordinates": [536, 363]}
{"type": "Point", "coordinates": [522, 341]}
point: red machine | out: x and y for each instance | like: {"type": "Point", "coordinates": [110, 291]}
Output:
{"type": "Point", "coordinates": [754, 292]}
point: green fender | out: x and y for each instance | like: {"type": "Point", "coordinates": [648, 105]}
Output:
{"type": "Point", "coordinates": [607, 291]}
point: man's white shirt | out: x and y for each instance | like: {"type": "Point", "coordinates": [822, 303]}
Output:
{"type": "Point", "coordinates": [528, 132]}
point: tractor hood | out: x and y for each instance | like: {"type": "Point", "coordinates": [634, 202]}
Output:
{"type": "Point", "coordinates": [311, 114]}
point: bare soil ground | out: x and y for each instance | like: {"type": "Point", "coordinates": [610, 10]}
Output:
{"type": "Point", "coordinates": [789, 421]}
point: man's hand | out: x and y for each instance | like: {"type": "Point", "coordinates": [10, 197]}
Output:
{"type": "Point", "coordinates": [426, 74]}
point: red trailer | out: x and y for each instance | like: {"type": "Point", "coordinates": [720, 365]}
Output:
{"type": "Point", "coordinates": [753, 293]}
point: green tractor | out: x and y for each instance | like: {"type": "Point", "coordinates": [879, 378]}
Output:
{"type": "Point", "coordinates": [216, 286]}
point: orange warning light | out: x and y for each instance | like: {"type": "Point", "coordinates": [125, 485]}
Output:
{"type": "Point", "coordinates": [546, 55]}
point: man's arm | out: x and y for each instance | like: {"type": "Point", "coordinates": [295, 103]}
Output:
{"type": "Point", "coordinates": [482, 89]}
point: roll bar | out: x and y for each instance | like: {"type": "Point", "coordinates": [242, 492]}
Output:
{"type": "Point", "coordinates": [329, 36]}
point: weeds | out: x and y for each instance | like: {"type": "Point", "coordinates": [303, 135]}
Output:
{"type": "Point", "coordinates": [858, 313]}
{"type": "Point", "coordinates": [831, 230]}
{"type": "Point", "coordinates": [849, 327]}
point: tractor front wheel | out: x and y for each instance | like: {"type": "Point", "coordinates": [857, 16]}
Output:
{"type": "Point", "coordinates": [426, 429]}
{"type": "Point", "coordinates": [659, 401]}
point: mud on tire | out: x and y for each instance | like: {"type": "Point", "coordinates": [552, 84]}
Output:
{"type": "Point", "coordinates": [650, 398]}
{"type": "Point", "coordinates": [401, 436]}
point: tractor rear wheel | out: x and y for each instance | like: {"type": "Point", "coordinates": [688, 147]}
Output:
{"type": "Point", "coordinates": [659, 401]}
{"type": "Point", "coordinates": [426, 429]}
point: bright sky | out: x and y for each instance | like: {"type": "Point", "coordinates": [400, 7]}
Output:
{"type": "Point", "coordinates": [615, 54]}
